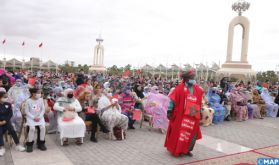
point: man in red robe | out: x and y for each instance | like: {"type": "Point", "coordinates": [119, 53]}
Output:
{"type": "Point", "coordinates": [184, 112]}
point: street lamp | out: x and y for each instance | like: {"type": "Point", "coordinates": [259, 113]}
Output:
{"type": "Point", "coordinates": [240, 6]}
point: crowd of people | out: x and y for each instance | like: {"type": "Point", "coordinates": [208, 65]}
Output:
{"type": "Point", "coordinates": [67, 101]}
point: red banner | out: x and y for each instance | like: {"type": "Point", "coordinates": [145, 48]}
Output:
{"type": "Point", "coordinates": [139, 72]}
{"type": "Point", "coordinates": [32, 81]}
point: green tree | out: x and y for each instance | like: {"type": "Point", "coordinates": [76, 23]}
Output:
{"type": "Point", "coordinates": [128, 67]}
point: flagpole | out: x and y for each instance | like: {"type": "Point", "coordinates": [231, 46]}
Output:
{"type": "Point", "coordinates": [4, 56]}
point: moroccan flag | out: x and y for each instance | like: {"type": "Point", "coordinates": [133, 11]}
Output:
{"type": "Point", "coordinates": [23, 43]}
{"type": "Point", "coordinates": [126, 73]}
{"type": "Point", "coordinates": [114, 97]}
{"type": "Point", "coordinates": [4, 41]}
{"type": "Point", "coordinates": [139, 72]}
{"type": "Point", "coordinates": [41, 45]}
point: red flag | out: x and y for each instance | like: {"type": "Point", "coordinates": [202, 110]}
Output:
{"type": "Point", "coordinates": [126, 73]}
{"type": "Point", "coordinates": [4, 41]}
{"type": "Point", "coordinates": [113, 97]}
{"type": "Point", "coordinates": [139, 72]}
{"type": "Point", "coordinates": [41, 45]}
{"type": "Point", "coordinates": [23, 43]}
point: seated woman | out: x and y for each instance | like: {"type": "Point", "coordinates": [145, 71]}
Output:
{"type": "Point", "coordinates": [111, 114]}
{"type": "Point", "coordinates": [271, 107]}
{"type": "Point", "coordinates": [6, 114]}
{"type": "Point", "coordinates": [248, 100]}
{"type": "Point", "coordinates": [17, 117]}
{"type": "Point", "coordinates": [139, 96]}
{"type": "Point", "coordinates": [227, 104]}
{"type": "Point", "coordinates": [214, 102]}
{"type": "Point", "coordinates": [259, 101]}
{"type": "Point", "coordinates": [207, 112]}
{"type": "Point", "coordinates": [74, 128]}
{"type": "Point", "coordinates": [157, 106]}
{"type": "Point", "coordinates": [50, 114]}
{"type": "Point", "coordinates": [126, 102]}
{"type": "Point", "coordinates": [85, 102]}
{"type": "Point", "coordinates": [238, 105]}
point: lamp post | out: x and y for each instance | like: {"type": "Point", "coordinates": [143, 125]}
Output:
{"type": "Point", "coordinates": [240, 6]}
{"type": "Point", "coordinates": [197, 69]}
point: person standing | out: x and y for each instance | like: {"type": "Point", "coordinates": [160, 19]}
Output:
{"type": "Point", "coordinates": [184, 112]}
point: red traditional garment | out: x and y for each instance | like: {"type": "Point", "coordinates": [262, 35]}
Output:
{"type": "Point", "coordinates": [184, 123]}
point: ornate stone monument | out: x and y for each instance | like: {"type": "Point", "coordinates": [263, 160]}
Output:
{"type": "Point", "coordinates": [241, 70]}
{"type": "Point", "coordinates": [98, 62]}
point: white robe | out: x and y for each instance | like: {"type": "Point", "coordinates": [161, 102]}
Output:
{"type": "Point", "coordinates": [70, 129]}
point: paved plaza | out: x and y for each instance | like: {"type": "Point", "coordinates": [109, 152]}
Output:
{"type": "Point", "coordinates": [232, 142]}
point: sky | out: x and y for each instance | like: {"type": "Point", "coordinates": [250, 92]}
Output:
{"type": "Point", "coordinates": [137, 32]}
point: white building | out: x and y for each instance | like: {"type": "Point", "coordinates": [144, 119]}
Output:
{"type": "Point", "coordinates": [71, 63]}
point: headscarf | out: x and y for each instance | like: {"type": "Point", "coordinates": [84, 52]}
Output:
{"type": "Point", "coordinates": [23, 96]}
{"type": "Point", "coordinates": [125, 89]}
{"type": "Point", "coordinates": [105, 92]}
{"type": "Point", "coordinates": [153, 89]}
{"type": "Point", "coordinates": [78, 91]}
{"type": "Point", "coordinates": [106, 85]}
{"type": "Point", "coordinates": [253, 91]}
{"type": "Point", "coordinates": [258, 84]}
{"type": "Point", "coordinates": [144, 90]}
{"type": "Point", "coordinates": [56, 91]}
{"type": "Point", "coordinates": [245, 95]}
{"type": "Point", "coordinates": [9, 98]}
{"type": "Point", "coordinates": [2, 71]}
{"type": "Point", "coordinates": [17, 76]}
{"type": "Point", "coordinates": [213, 97]}
{"type": "Point", "coordinates": [139, 93]}
{"type": "Point", "coordinates": [65, 100]}
{"type": "Point", "coordinates": [234, 96]}
{"type": "Point", "coordinates": [60, 85]}
{"type": "Point", "coordinates": [266, 97]}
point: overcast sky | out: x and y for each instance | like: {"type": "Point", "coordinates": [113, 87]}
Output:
{"type": "Point", "coordinates": [137, 32]}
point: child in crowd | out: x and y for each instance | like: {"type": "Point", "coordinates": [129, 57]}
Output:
{"type": "Point", "coordinates": [6, 114]}
{"type": "Point", "coordinates": [35, 109]}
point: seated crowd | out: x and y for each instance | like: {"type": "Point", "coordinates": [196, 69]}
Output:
{"type": "Point", "coordinates": [67, 103]}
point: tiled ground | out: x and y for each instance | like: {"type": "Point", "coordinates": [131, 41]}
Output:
{"type": "Point", "coordinates": [146, 147]}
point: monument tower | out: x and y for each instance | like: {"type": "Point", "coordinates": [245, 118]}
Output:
{"type": "Point", "coordinates": [242, 70]}
{"type": "Point", "coordinates": [98, 62]}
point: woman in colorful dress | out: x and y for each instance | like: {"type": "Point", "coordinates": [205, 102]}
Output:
{"type": "Point", "coordinates": [247, 97]}
{"type": "Point", "coordinates": [111, 114]}
{"type": "Point", "coordinates": [257, 97]}
{"type": "Point", "coordinates": [271, 107]}
{"type": "Point", "coordinates": [126, 102]}
{"type": "Point", "coordinates": [214, 102]}
{"type": "Point", "coordinates": [241, 109]}
{"type": "Point", "coordinates": [157, 106]}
